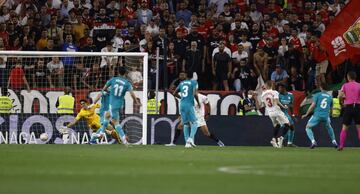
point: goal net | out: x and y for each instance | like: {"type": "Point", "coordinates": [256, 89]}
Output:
{"type": "Point", "coordinates": [36, 80]}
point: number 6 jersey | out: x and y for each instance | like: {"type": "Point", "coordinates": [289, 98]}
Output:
{"type": "Point", "coordinates": [323, 103]}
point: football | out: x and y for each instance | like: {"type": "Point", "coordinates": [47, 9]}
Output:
{"type": "Point", "coordinates": [44, 137]}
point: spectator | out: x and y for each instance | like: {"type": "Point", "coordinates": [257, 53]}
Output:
{"type": "Point", "coordinates": [65, 7]}
{"type": "Point", "coordinates": [144, 14]}
{"type": "Point", "coordinates": [192, 64]}
{"type": "Point", "coordinates": [261, 64]}
{"type": "Point", "coordinates": [221, 68]}
{"type": "Point", "coordinates": [183, 13]}
{"type": "Point", "coordinates": [217, 49]}
{"type": "Point", "coordinates": [55, 32]}
{"type": "Point", "coordinates": [245, 43]}
{"type": "Point", "coordinates": [161, 40]}
{"type": "Point", "coordinates": [135, 76]}
{"type": "Point", "coordinates": [4, 69]}
{"type": "Point", "coordinates": [152, 28]}
{"type": "Point", "coordinates": [279, 75]}
{"type": "Point", "coordinates": [296, 81]}
{"type": "Point", "coordinates": [17, 80]}
{"type": "Point", "coordinates": [50, 46]}
{"type": "Point", "coordinates": [241, 75]}
{"type": "Point", "coordinates": [42, 42]}
{"type": "Point", "coordinates": [184, 31]}
{"type": "Point", "coordinates": [200, 40]}
{"type": "Point", "coordinates": [69, 62]}
{"type": "Point", "coordinates": [56, 71]}
{"type": "Point", "coordinates": [322, 63]}
{"type": "Point", "coordinates": [180, 45]}
{"type": "Point", "coordinates": [239, 55]}
{"type": "Point", "coordinates": [107, 62]}
{"type": "Point", "coordinates": [78, 28]}
{"type": "Point", "coordinates": [41, 77]}
{"type": "Point", "coordinates": [118, 40]}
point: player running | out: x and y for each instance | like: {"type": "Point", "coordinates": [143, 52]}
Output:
{"type": "Point", "coordinates": [270, 98]}
{"type": "Point", "coordinates": [118, 86]}
{"type": "Point", "coordinates": [287, 98]}
{"type": "Point", "coordinates": [201, 121]}
{"type": "Point", "coordinates": [321, 105]}
{"type": "Point", "coordinates": [188, 90]}
{"type": "Point", "coordinates": [104, 114]}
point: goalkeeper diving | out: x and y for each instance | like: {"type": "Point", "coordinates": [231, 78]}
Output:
{"type": "Point", "coordinates": [93, 121]}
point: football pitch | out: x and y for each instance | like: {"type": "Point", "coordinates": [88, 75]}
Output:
{"type": "Point", "coordinates": [158, 169]}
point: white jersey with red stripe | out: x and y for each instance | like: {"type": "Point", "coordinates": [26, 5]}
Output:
{"type": "Point", "coordinates": [268, 98]}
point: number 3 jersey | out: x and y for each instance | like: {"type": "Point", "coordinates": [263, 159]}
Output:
{"type": "Point", "coordinates": [118, 88]}
{"type": "Point", "coordinates": [323, 103]}
{"type": "Point", "coordinates": [187, 89]}
{"type": "Point", "coordinates": [268, 98]}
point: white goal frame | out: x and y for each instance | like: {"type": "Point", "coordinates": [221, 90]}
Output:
{"type": "Point", "coordinates": [145, 56]}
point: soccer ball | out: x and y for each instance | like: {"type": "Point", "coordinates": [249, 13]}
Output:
{"type": "Point", "coordinates": [44, 137]}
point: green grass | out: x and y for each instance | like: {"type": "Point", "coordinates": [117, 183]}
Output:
{"type": "Point", "coordinates": [158, 169]}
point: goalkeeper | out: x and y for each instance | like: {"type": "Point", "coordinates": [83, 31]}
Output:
{"type": "Point", "coordinates": [92, 119]}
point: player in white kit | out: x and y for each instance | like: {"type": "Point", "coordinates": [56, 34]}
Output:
{"type": "Point", "coordinates": [270, 98]}
{"type": "Point", "coordinates": [201, 121]}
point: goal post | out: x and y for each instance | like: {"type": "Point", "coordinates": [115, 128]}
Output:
{"type": "Point", "coordinates": [48, 72]}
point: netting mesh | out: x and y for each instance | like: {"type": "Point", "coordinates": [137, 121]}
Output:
{"type": "Point", "coordinates": [35, 83]}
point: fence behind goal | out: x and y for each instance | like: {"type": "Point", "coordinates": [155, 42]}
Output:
{"type": "Point", "coordinates": [37, 79]}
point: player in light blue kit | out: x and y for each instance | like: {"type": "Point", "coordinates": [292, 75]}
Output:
{"type": "Point", "coordinates": [118, 86]}
{"type": "Point", "coordinates": [104, 114]}
{"type": "Point", "coordinates": [287, 98]}
{"type": "Point", "coordinates": [188, 91]}
{"type": "Point", "coordinates": [321, 105]}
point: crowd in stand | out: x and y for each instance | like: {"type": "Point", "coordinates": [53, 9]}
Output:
{"type": "Point", "coordinates": [224, 44]}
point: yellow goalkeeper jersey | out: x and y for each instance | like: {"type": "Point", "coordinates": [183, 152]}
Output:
{"type": "Point", "coordinates": [92, 119]}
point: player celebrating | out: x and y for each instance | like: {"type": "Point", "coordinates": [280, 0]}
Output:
{"type": "Point", "coordinates": [201, 121]}
{"type": "Point", "coordinates": [321, 105]}
{"type": "Point", "coordinates": [350, 93]}
{"type": "Point", "coordinates": [188, 90]}
{"type": "Point", "coordinates": [287, 98]}
{"type": "Point", "coordinates": [271, 100]}
{"type": "Point", "coordinates": [118, 85]}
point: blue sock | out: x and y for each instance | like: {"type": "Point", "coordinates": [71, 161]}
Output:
{"type": "Point", "coordinates": [186, 132]}
{"type": "Point", "coordinates": [310, 134]}
{"type": "Point", "coordinates": [194, 128]}
{"type": "Point", "coordinates": [331, 132]}
{"type": "Point", "coordinates": [289, 136]}
{"type": "Point", "coordinates": [292, 135]}
{"type": "Point", "coordinates": [120, 131]}
{"type": "Point", "coordinates": [103, 127]}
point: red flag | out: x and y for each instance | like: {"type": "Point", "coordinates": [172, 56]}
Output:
{"type": "Point", "coordinates": [341, 38]}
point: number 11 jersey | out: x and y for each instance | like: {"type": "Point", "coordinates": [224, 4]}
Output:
{"type": "Point", "coordinates": [118, 88]}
